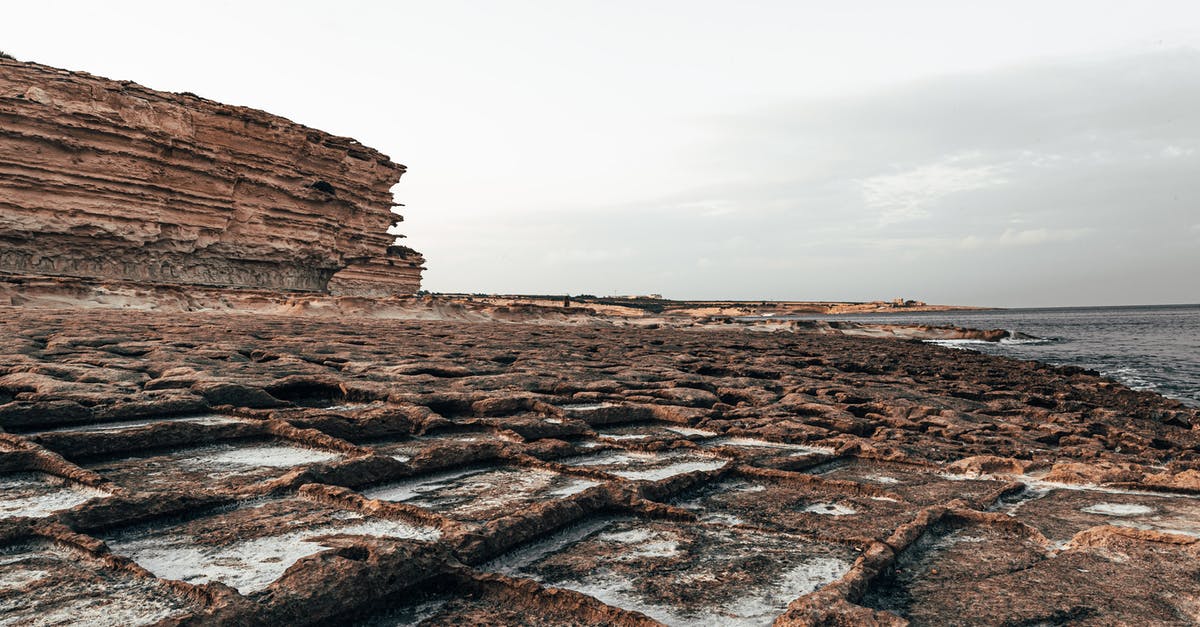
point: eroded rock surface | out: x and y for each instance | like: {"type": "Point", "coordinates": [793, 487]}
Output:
{"type": "Point", "coordinates": [198, 468]}
{"type": "Point", "coordinates": [109, 180]}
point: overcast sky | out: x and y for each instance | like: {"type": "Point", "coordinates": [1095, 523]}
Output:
{"type": "Point", "coordinates": [999, 153]}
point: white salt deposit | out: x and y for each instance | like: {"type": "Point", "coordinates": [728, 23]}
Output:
{"type": "Point", "coordinates": [38, 494]}
{"type": "Point", "coordinates": [412, 488]}
{"type": "Point", "coordinates": [670, 470]}
{"type": "Point", "coordinates": [265, 455]}
{"type": "Point", "coordinates": [829, 509]}
{"type": "Point", "coordinates": [480, 491]}
{"type": "Point", "coordinates": [120, 601]}
{"type": "Point", "coordinates": [1119, 509]}
{"type": "Point", "coordinates": [797, 450]}
{"type": "Point", "coordinates": [15, 579]}
{"type": "Point", "coordinates": [721, 518]}
{"type": "Point", "coordinates": [756, 606]}
{"type": "Point", "coordinates": [353, 406]}
{"type": "Point", "coordinates": [123, 425]}
{"type": "Point", "coordinates": [642, 543]}
{"type": "Point", "coordinates": [584, 406]}
{"type": "Point", "coordinates": [763, 606]}
{"type": "Point", "coordinates": [625, 436]}
{"type": "Point", "coordinates": [640, 466]}
{"type": "Point", "coordinates": [249, 565]}
{"type": "Point", "coordinates": [689, 431]}
{"type": "Point", "coordinates": [574, 486]}
{"type": "Point", "coordinates": [511, 562]}
{"type": "Point", "coordinates": [607, 458]}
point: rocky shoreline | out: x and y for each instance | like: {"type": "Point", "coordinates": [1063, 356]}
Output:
{"type": "Point", "coordinates": [73, 293]}
{"type": "Point", "coordinates": [223, 402]}
{"type": "Point", "coordinates": [205, 468]}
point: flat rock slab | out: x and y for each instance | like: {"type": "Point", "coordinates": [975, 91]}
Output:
{"type": "Point", "coordinates": [984, 576]}
{"type": "Point", "coordinates": [924, 486]}
{"type": "Point", "coordinates": [645, 466]}
{"type": "Point", "coordinates": [653, 432]}
{"type": "Point", "coordinates": [448, 604]}
{"type": "Point", "coordinates": [798, 508]}
{"type": "Point", "coordinates": [216, 466]}
{"type": "Point", "coordinates": [251, 546]}
{"type": "Point", "coordinates": [125, 425]}
{"type": "Point", "coordinates": [36, 494]}
{"type": "Point", "coordinates": [1060, 513]}
{"type": "Point", "coordinates": [406, 449]}
{"type": "Point", "coordinates": [43, 585]}
{"type": "Point", "coordinates": [683, 574]}
{"type": "Point", "coordinates": [481, 494]}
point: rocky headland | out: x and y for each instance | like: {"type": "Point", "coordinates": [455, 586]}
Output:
{"type": "Point", "coordinates": [103, 179]}
{"type": "Point", "coordinates": [219, 406]}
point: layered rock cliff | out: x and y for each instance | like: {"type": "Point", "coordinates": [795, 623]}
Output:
{"type": "Point", "coordinates": [111, 180]}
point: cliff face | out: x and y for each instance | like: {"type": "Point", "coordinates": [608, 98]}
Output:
{"type": "Point", "coordinates": [111, 180]}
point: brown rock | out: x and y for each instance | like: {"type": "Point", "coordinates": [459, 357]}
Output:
{"type": "Point", "coordinates": [108, 179]}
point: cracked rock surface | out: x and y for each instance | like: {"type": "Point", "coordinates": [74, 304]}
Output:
{"type": "Point", "coordinates": [197, 469]}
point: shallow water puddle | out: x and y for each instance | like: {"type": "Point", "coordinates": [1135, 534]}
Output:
{"type": "Point", "coordinates": [481, 494]}
{"type": "Point", "coordinates": [43, 584]}
{"type": "Point", "coordinates": [37, 494]}
{"type": "Point", "coordinates": [217, 465]}
{"type": "Point", "coordinates": [682, 574]}
{"type": "Point", "coordinates": [250, 547]}
{"type": "Point", "coordinates": [646, 466]}
{"type": "Point", "coordinates": [123, 425]}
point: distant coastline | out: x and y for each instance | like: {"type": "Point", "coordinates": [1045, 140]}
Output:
{"type": "Point", "coordinates": [655, 304]}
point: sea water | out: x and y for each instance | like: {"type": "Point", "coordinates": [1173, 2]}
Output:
{"type": "Point", "coordinates": [1153, 348]}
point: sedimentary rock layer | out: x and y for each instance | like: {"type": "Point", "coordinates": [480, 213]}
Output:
{"type": "Point", "coordinates": [108, 179]}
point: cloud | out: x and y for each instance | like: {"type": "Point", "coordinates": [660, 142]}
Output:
{"type": "Point", "coordinates": [910, 195]}
{"type": "Point", "coordinates": [1013, 238]}
{"type": "Point", "coordinates": [1058, 183]}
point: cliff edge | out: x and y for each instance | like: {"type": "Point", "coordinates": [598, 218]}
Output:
{"type": "Point", "coordinates": [109, 180]}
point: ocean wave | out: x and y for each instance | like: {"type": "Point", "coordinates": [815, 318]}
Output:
{"type": "Point", "coordinates": [1132, 377]}
{"type": "Point", "coordinates": [1027, 340]}
{"type": "Point", "coordinates": [959, 344]}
